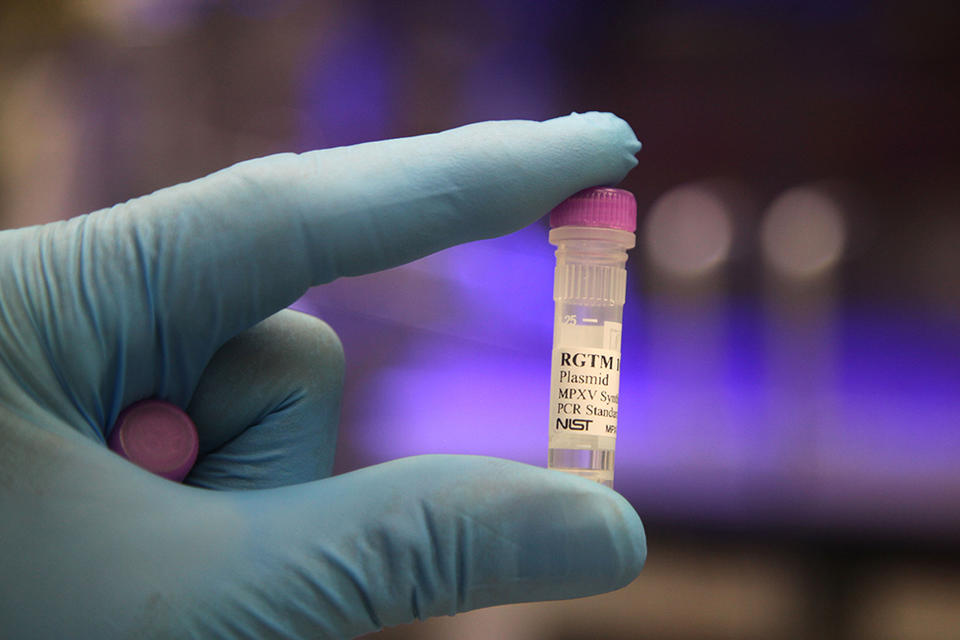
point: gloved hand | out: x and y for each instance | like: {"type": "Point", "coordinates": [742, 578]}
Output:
{"type": "Point", "coordinates": [178, 295]}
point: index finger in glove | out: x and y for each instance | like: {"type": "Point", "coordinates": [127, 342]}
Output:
{"type": "Point", "coordinates": [161, 282]}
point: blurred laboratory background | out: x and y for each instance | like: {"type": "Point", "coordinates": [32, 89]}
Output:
{"type": "Point", "coordinates": [790, 395]}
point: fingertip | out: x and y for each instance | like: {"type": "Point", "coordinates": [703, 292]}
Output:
{"type": "Point", "coordinates": [632, 538]}
{"type": "Point", "coordinates": [573, 537]}
{"type": "Point", "coordinates": [603, 122]}
{"type": "Point", "coordinates": [615, 529]}
{"type": "Point", "coordinates": [606, 131]}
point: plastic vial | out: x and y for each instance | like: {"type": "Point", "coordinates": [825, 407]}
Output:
{"type": "Point", "coordinates": [592, 231]}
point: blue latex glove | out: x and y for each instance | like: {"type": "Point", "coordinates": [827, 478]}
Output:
{"type": "Point", "coordinates": [178, 295]}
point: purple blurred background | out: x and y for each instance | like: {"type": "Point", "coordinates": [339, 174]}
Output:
{"type": "Point", "coordinates": [790, 414]}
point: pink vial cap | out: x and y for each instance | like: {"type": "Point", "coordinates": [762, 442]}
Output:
{"type": "Point", "coordinates": [157, 436]}
{"type": "Point", "coordinates": [597, 207]}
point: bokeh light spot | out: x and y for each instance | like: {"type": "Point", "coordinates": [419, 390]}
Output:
{"type": "Point", "coordinates": [689, 231]}
{"type": "Point", "coordinates": [803, 233]}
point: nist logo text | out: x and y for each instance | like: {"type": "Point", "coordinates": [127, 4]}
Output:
{"type": "Point", "coordinates": [573, 424]}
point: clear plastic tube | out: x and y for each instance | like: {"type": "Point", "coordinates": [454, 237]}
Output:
{"type": "Point", "coordinates": [589, 291]}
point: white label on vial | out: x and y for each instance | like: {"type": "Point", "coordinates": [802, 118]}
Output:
{"type": "Point", "coordinates": [584, 391]}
